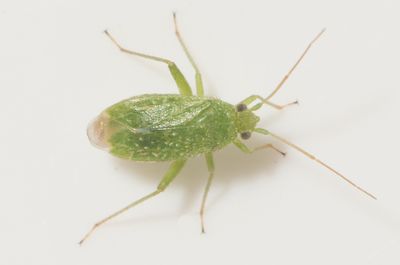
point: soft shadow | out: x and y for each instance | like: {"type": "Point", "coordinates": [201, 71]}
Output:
{"type": "Point", "coordinates": [232, 167]}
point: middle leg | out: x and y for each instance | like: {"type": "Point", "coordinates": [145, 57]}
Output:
{"type": "Point", "coordinates": [210, 166]}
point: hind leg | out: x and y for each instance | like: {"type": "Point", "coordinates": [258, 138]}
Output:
{"type": "Point", "coordinates": [180, 80]}
{"type": "Point", "coordinates": [169, 176]}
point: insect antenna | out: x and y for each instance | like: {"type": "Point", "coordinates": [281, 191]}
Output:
{"type": "Point", "coordinates": [286, 77]}
{"type": "Point", "coordinates": [312, 157]}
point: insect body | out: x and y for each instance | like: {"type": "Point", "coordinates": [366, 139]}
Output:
{"type": "Point", "coordinates": [168, 127]}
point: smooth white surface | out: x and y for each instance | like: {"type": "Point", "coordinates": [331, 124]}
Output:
{"type": "Point", "coordinates": [57, 71]}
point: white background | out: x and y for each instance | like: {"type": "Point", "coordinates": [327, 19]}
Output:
{"type": "Point", "coordinates": [58, 71]}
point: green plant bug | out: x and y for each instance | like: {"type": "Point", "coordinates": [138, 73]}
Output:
{"type": "Point", "coordinates": [176, 127]}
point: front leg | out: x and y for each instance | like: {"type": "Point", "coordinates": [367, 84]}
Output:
{"type": "Point", "coordinates": [253, 98]}
{"type": "Point", "coordinates": [248, 150]}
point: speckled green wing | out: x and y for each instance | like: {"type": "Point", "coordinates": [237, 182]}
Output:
{"type": "Point", "coordinates": [169, 127]}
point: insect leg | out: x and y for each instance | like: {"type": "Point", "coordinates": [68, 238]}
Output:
{"type": "Point", "coordinates": [248, 150]}
{"type": "Point", "coordinates": [180, 80]}
{"type": "Point", "coordinates": [210, 166]}
{"type": "Point", "coordinates": [252, 98]}
{"type": "Point", "coordinates": [199, 82]}
{"type": "Point", "coordinates": [169, 176]}
{"type": "Point", "coordinates": [294, 66]}
{"type": "Point", "coordinates": [266, 100]}
{"type": "Point", "coordinates": [312, 157]}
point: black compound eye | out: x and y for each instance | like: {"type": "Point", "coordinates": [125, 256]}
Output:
{"type": "Point", "coordinates": [245, 135]}
{"type": "Point", "coordinates": [241, 107]}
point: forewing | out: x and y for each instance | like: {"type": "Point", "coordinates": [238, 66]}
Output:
{"type": "Point", "coordinates": [150, 113]}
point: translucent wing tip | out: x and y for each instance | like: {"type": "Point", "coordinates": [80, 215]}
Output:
{"type": "Point", "coordinates": [97, 132]}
